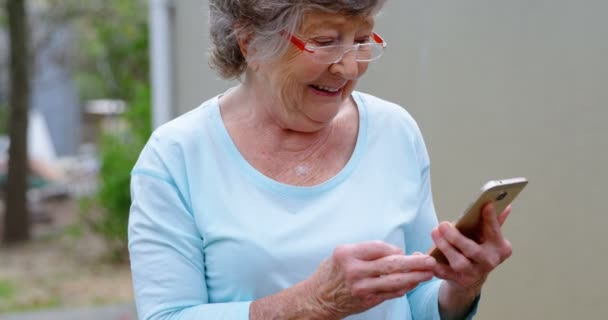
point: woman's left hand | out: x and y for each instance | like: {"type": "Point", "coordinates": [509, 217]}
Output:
{"type": "Point", "coordinates": [471, 262]}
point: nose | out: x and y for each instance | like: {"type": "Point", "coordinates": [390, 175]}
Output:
{"type": "Point", "coordinates": [347, 67]}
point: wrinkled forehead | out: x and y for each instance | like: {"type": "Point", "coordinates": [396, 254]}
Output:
{"type": "Point", "coordinates": [317, 21]}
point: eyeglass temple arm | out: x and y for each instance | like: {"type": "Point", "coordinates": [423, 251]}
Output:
{"type": "Point", "coordinates": [379, 39]}
{"type": "Point", "coordinates": [296, 42]}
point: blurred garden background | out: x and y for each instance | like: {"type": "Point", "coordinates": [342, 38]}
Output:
{"type": "Point", "coordinates": [74, 114]}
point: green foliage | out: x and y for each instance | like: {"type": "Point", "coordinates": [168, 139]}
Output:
{"type": "Point", "coordinates": [7, 295]}
{"type": "Point", "coordinates": [7, 291]}
{"type": "Point", "coordinates": [3, 120]}
{"type": "Point", "coordinates": [112, 62]}
{"type": "Point", "coordinates": [119, 154]}
{"type": "Point", "coordinates": [109, 60]}
{"type": "Point", "coordinates": [113, 48]}
{"type": "Point", "coordinates": [39, 303]}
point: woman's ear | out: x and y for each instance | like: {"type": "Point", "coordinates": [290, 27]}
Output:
{"type": "Point", "coordinates": [246, 51]}
{"type": "Point", "coordinates": [244, 45]}
{"type": "Point", "coordinates": [244, 37]}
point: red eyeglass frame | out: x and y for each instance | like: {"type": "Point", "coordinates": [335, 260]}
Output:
{"type": "Point", "coordinates": [300, 44]}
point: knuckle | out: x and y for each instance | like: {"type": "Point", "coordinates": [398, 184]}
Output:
{"type": "Point", "coordinates": [507, 250]}
{"type": "Point", "coordinates": [352, 271]}
{"type": "Point", "coordinates": [377, 244]}
{"type": "Point", "coordinates": [461, 265]}
{"type": "Point", "coordinates": [477, 253]}
{"type": "Point", "coordinates": [396, 281]}
{"type": "Point", "coordinates": [357, 290]}
{"type": "Point", "coordinates": [408, 285]}
{"type": "Point", "coordinates": [341, 253]}
{"type": "Point", "coordinates": [386, 247]}
{"type": "Point", "coordinates": [406, 282]}
{"type": "Point", "coordinates": [370, 300]}
{"type": "Point", "coordinates": [387, 265]}
{"type": "Point", "coordinates": [493, 260]}
{"type": "Point", "coordinates": [396, 249]}
{"type": "Point", "coordinates": [384, 265]}
{"type": "Point", "coordinates": [392, 261]}
{"type": "Point", "coordinates": [452, 234]}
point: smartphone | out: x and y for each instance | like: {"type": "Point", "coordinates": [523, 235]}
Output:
{"type": "Point", "coordinates": [500, 192]}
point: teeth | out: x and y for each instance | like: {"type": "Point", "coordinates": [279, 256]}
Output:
{"type": "Point", "coordinates": [326, 88]}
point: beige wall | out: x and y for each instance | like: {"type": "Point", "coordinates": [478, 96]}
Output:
{"type": "Point", "coordinates": [500, 89]}
{"type": "Point", "coordinates": [195, 82]}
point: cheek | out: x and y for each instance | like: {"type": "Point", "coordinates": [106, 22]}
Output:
{"type": "Point", "coordinates": [363, 68]}
{"type": "Point", "coordinates": [288, 69]}
{"type": "Point", "coordinates": [306, 73]}
{"type": "Point", "coordinates": [289, 85]}
{"type": "Point", "coordinates": [295, 77]}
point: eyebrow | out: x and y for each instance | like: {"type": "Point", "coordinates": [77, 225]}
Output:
{"type": "Point", "coordinates": [323, 24]}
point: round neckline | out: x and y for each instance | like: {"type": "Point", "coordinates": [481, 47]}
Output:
{"type": "Point", "coordinates": [283, 188]}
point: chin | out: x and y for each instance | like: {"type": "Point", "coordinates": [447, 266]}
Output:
{"type": "Point", "coordinates": [327, 113]}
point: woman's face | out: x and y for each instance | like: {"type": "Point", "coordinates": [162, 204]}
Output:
{"type": "Point", "coordinates": [306, 96]}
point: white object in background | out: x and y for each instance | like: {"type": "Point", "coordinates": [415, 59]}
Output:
{"type": "Point", "coordinates": [40, 145]}
{"type": "Point", "coordinates": [4, 144]}
{"type": "Point", "coordinates": [105, 107]}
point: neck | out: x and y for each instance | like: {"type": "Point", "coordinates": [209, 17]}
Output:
{"type": "Point", "coordinates": [247, 107]}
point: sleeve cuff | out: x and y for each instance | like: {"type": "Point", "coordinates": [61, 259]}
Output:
{"type": "Point", "coordinates": [474, 307]}
{"type": "Point", "coordinates": [219, 311]}
{"type": "Point", "coordinates": [231, 310]}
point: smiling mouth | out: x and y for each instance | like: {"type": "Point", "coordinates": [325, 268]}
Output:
{"type": "Point", "coordinates": [325, 89]}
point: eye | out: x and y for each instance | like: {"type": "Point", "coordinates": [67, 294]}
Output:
{"type": "Point", "coordinates": [362, 40]}
{"type": "Point", "coordinates": [324, 41]}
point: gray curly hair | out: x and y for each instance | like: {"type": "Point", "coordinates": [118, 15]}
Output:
{"type": "Point", "coordinates": [262, 22]}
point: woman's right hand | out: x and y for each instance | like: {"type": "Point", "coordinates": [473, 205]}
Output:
{"type": "Point", "coordinates": [360, 276]}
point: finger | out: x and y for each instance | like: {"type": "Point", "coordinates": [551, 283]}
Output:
{"type": "Point", "coordinates": [506, 250]}
{"type": "Point", "coordinates": [367, 251]}
{"type": "Point", "coordinates": [491, 226]}
{"type": "Point", "coordinates": [393, 295]}
{"type": "Point", "coordinates": [390, 283]}
{"type": "Point", "coordinates": [397, 264]}
{"type": "Point", "coordinates": [456, 259]}
{"type": "Point", "coordinates": [375, 299]}
{"type": "Point", "coordinates": [466, 246]}
{"type": "Point", "coordinates": [504, 215]}
{"type": "Point", "coordinates": [373, 250]}
{"type": "Point", "coordinates": [486, 257]}
{"type": "Point", "coordinates": [444, 272]}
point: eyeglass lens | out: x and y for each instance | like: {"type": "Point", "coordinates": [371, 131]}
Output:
{"type": "Point", "coordinates": [363, 52]}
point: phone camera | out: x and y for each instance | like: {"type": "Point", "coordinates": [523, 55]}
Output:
{"type": "Point", "coordinates": [501, 196]}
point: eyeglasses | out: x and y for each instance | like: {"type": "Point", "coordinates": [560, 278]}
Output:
{"type": "Point", "coordinates": [335, 53]}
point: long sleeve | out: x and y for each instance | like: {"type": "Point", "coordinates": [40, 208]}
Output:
{"type": "Point", "coordinates": [166, 248]}
{"type": "Point", "coordinates": [424, 300]}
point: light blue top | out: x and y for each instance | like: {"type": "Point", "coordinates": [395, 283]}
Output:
{"type": "Point", "coordinates": [208, 233]}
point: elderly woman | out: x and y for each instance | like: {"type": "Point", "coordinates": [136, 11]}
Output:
{"type": "Point", "coordinates": [292, 196]}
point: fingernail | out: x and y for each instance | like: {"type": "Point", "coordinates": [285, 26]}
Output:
{"type": "Point", "coordinates": [429, 262]}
